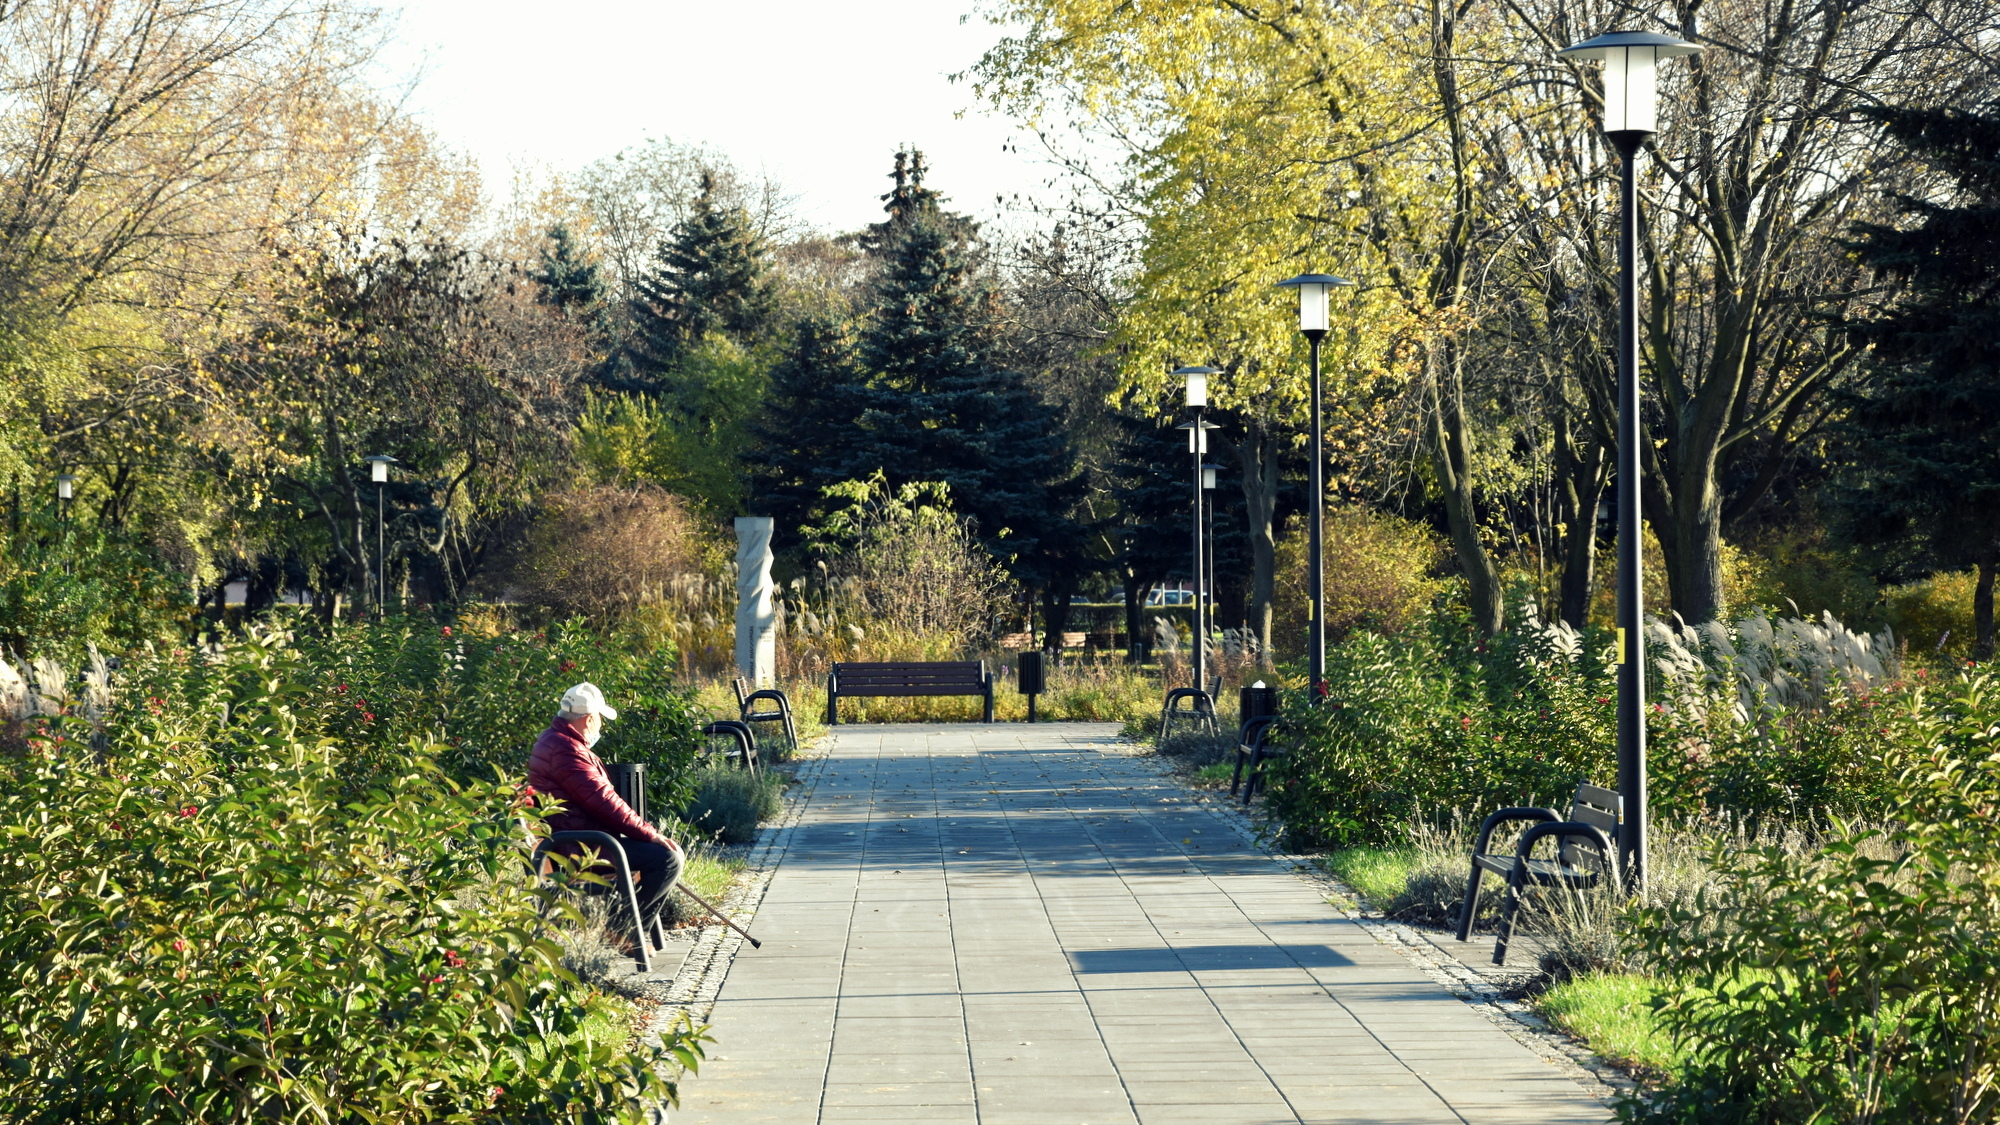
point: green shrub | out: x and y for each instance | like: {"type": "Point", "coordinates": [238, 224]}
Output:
{"type": "Point", "coordinates": [373, 687]}
{"type": "Point", "coordinates": [64, 586]}
{"type": "Point", "coordinates": [729, 802]}
{"type": "Point", "coordinates": [1788, 719]}
{"type": "Point", "coordinates": [1859, 982]}
{"type": "Point", "coordinates": [228, 934]}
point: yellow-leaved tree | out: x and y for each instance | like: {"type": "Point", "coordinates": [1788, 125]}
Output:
{"type": "Point", "coordinates": [1261, 139]}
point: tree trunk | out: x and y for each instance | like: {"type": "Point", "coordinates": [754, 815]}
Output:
{"type": "Point", "coordinates": [1055, 613]}
{"type": "Point", "coordinates": [1982, 612]}
{"type": "Point", "coordinates": [1451, 456]}
{"type": "Point", "coordinates": [1689, 527]}
{"type": "Point", "coordinates": [1585, 472]}
{"type": "Point", "coordinates": [1258, 455]}
{"type": "Point", "coordinates": [1135, 618]}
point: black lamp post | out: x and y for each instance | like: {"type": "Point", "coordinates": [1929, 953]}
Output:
{"type": "Point", "coordinates": [1630, 101]}
{"type": "Point", "coordinates": [1314, 319]}
{"type": "Point", "coordinates": [1209, 529]}
{"type": "Point", "coordinates": [1197, 401]}
{"type": "Point", "coordinates": [378, 471]}
{"type": "Point", "coordinates": [65, 492]}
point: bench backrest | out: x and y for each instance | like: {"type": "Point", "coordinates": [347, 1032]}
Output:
{"type": "Point", "coordinates": [912, 677]}
{"type": "Point", "coordinates": [1596, 806]}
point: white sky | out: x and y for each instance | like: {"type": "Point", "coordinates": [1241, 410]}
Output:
{"type": "Point", "coordinates": [818, 95]}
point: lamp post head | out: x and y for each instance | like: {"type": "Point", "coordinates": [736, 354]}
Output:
{"type": "Point", "coordinates": [1630, 84]}
{"type": "Point", "coordinates": [1198, 435]}
{"type": "Point", "coordinates": [1313, 289]}
{"type": "Point", "coordinates": [1197, 383]}
{"type": "Point", "coordinates": [65, 487]}
{"type": "Point", "coordinates": [1208, 477]}
{"type": "Point", "coordinates": [378, 467]}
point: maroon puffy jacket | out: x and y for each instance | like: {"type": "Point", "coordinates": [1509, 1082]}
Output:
{"type": "Point", "coordinates": [563, 768]}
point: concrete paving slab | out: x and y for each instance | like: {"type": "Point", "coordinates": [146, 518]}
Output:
{"type": "Point", "coordinates": [1015, 925]}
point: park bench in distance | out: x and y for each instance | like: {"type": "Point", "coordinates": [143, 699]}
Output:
{"type": "Point", "coordinates": [912, 677]}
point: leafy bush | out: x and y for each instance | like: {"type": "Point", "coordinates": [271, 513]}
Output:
{"type": "Point", "coordinates": [225, 933]}
{"type": "Point", "coordinates": [901, 555]}
{"type": "Point", "coordinates": [1378, 569]}
{"type": "Point", "coordinates": [64, 586]}
{"type": "Point", "coordinates": [728, 802]}
{"type": "Point", "coordinates": [602, 552]}
{"type": "Point", "coordinates": [373, 687]}
{"type": "Point", "coordinates": [1786, 718]}
{"type": "Point", "coordinates": [1860, 982]}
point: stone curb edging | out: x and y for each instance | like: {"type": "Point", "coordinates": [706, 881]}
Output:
{"type": "Point", "coordinates": [1482, 989]}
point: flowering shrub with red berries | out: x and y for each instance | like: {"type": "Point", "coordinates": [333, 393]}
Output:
{"type": "Point", "coordinates": [480, 698]}
{"type": "Point", "coordinates": [223, 929]}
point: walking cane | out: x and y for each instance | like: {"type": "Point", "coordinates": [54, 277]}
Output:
{"type": "Point", "coordinates": [726, 919]}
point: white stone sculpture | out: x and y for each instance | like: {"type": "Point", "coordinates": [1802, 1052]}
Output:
{"type": "Point", "coordinates": [756, 615]}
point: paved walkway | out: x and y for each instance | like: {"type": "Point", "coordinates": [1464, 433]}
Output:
{"type": "Point", "coordinates": [1009, 925]}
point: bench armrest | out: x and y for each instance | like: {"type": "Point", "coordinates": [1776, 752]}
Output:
{"type": "Point", "coordinates": [608, 845]}
{"type": "Point", "coordinates": [1566, 828]}
{"type": "Point", "coordinates": [1517, 812]}
{"type": "Point", "coordinates": [775, 695]}
{"type": "Point", "coordinates": [1256, 730]}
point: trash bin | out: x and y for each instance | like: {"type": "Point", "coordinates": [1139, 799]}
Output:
{"type": "Point", "coordinates": [1255, 702]}
{"type": "Point", "coordinates": [1029, 676]}
{"type": "Point", "coordinates": [629, 779]}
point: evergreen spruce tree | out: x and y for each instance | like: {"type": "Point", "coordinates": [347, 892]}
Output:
{"type": "Point", "coordinates": [709, 277]}
{"type": "Point", "coordinates": [567, 279]}
{"type": "Point", "coordinates": [807, 435]}
{"type": "Point", "coordinates": [939, 408]}
{"type": "Point", "coordinates": [1925, 430]}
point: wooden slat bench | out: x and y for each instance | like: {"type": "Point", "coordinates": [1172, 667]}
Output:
{"type": "Point", "coordinates": [914, 677]}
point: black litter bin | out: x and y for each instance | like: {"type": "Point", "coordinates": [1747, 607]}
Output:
{"type": "Point", "coordinates": [1028, 673]}
{"type": "Point", "coordinates": [629, 779]}
{"type": "Point", "coordinates": [1255, 702]}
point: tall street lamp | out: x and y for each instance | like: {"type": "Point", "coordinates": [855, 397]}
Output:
{"type": "Point", "coordinates": [65, 492]}
{"type": "Point", "coordinates": [378, 471]}
{"type": "Point", "coordinates": [1630, 116]}
{"type": "Point", "coordinates": [1197, 428]}
{"type": "Point", "coordinates": [1314, 319]}
{"type": "Point", "coordinates": [1208, 527]}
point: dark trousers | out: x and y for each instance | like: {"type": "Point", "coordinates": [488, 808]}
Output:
{"type": "Point", "coordinates": [654, 869]}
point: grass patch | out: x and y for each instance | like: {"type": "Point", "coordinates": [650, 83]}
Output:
{"type": "Point", "coordinates": [1379, 874]}
{"type": "Point", "coordinates": [1613, 1012]}
{"type": "Point", "coordinates": [1214, 773]}
{"type": "Point", "coordinates": [709, 874]}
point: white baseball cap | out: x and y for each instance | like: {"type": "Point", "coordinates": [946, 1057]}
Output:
{"type": "Point", "coordinates": [585, 699]}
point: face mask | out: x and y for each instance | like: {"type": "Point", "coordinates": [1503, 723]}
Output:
{"type": "Point", "coordinates": [595, 733]}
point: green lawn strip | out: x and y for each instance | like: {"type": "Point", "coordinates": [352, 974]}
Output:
{"type": "Point", "coordinates": [1379, 874]}
{"type": "Point", "coordinates": [1214, 773]}
{"type": "Point", "coordinates": [1613, 1013]}
{"type": "Point", "coordinates": [711, 875]}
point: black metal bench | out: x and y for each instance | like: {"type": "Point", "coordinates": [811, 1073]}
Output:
{"type": "Point", "coordinates": [742, 742]}
{"type": "Point", "coordinates": [749, 712]}
{"type": "Point", "coordinates": [904, 678]}
{"type": "Point", "coordinates": [1200, 708]}
{"type": "Point", "coordinates": [608, 848]}
{"type": "Point", "coordinates": [1253, 748]}
{"type": "Point", "coordinates": [1593, 823]}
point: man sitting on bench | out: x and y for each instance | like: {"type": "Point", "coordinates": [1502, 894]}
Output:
{"type": "Point", "coordinates": [564, 768]}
